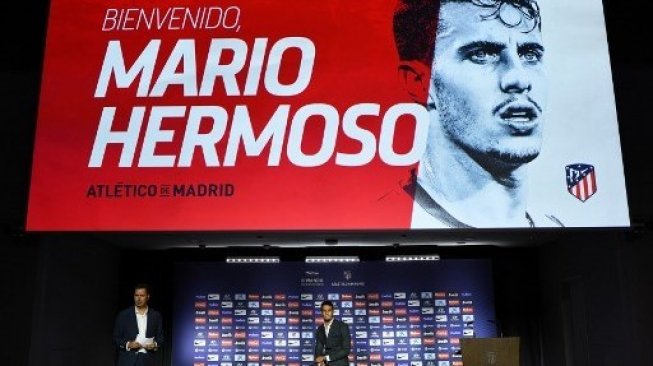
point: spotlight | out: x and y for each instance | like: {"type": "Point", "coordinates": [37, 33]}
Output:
{"type": "Point", "coordinates": [332, 259]}
{"type": "Point", "coordinates": [412, 258]}
{"type": "Point", "coordinates": [257, 260]}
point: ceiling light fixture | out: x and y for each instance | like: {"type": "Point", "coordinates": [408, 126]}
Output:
{"type": "Point", "coordinates": [258, 260]}
{"type": "Point", "coordinates": [332, 259]}
{"type": "Point", "coordinates": [412, 258]}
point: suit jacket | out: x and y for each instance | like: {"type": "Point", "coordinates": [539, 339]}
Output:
{"type": "Point", "coordinates": [126, 329]}
{"type": "Point", "coordinates": [337, 345]}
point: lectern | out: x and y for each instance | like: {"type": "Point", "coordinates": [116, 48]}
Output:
{"type": "Point", "coordinates": [490, 351]}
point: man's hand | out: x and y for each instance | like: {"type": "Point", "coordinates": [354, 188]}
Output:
{"type": "Point", "coordinates": [150, 346]}
{"type": "Point", "coordinates": [320, 360]}
{"type": "Point", "coordinates": [134, 345]}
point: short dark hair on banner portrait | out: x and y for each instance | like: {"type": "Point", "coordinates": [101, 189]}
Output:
{"type": "Point", "coordinates": [415, 22]}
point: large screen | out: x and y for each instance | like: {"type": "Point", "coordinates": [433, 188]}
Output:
{"type": "Point", "coordinates": [326, 115]}
{"type": "Point", "coordinates": [399, 314]}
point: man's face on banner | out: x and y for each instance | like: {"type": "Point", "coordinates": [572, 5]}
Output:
{"type": "Point", "coordinates": [489, 83]}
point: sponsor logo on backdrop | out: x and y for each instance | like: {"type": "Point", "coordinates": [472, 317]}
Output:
{"type": "Point", "coordinates": [399, 333]}
{"type": "Point", "coordinates": [311, 279]}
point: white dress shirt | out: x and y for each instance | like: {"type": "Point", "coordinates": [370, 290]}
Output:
{"type": "Point", "coordinates": [141, 321]}
{"type": "Point", "coordinates": [327, 326]}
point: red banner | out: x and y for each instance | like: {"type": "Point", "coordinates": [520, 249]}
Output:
{"type": "Point", "coordinates": [245, 116]}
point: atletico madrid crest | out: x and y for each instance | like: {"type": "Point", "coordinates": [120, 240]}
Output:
{"type": "Point", "coordinates": [581, 180]}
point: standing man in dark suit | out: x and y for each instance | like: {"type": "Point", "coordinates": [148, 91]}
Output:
{"type": "Point", "coordinates": [138, 332]}
{"type": "Point", "coordinates": [332, 339]}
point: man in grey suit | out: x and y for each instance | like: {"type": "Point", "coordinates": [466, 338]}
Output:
{"type": "Point", "coordinates": [332, 339]}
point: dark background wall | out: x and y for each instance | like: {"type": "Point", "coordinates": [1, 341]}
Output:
{"type": "Point", "coordinates": [583, 298]}
{"type": "Point", "coordinates": [596, 296]}
{"type": "Point", "coordinates": [74, 304]}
